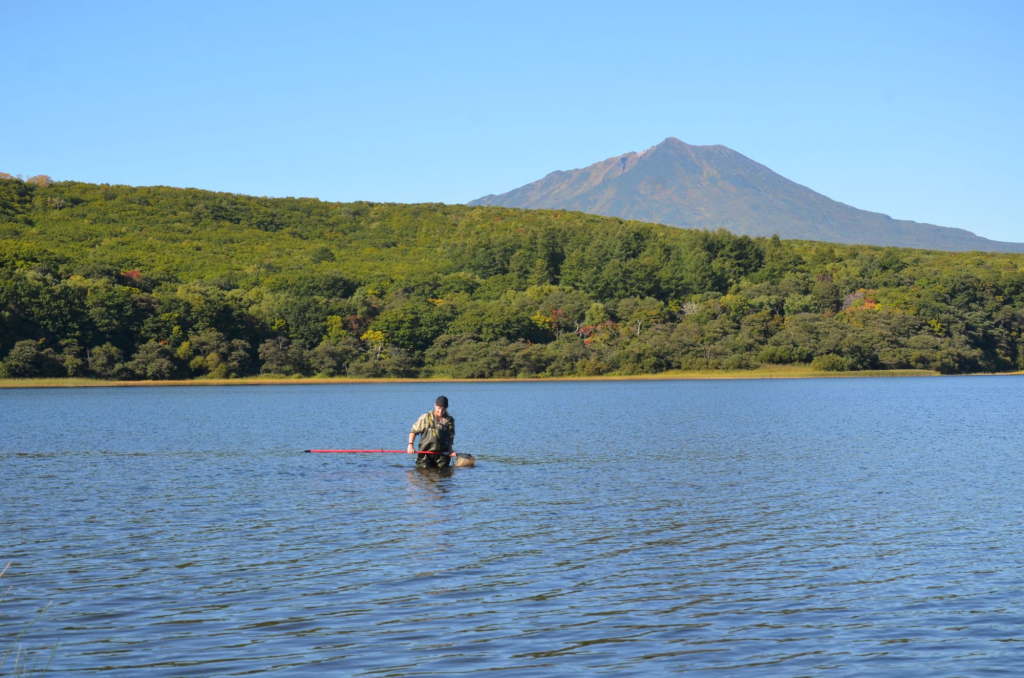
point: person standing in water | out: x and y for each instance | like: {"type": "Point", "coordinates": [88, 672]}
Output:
{"type": "Point", "coordinates": [436, 430]}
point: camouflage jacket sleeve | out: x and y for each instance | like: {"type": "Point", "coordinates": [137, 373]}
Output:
{"type": "Point", "coordinates": [421, 424]}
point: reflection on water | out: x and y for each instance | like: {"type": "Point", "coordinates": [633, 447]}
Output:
{"type": "Point", "coordinates": [786, 528]}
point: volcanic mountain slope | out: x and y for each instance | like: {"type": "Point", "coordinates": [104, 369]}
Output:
{"type": "Point", "coordinates": [713, 187]}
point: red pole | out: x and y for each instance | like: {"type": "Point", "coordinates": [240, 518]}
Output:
{"type": "Point", "coordinates": [373, 451]}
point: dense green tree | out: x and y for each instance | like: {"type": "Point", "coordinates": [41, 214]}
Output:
{"type": "Point", "coordinates": [333, 356]}
{"type": "Point", "coordinates": [115, 314]}
{"type": "Point", "coordinates": [29, 359]}
{"type": "Point", "coordinates": [491, 321]}
{"type": "Point", "coordinates": [414, 324]}
{"type": "Point", "coordinates": [107, 361]}
{"type": "Point", "coordinates": [154, 361]}
{"type": "Point", "coordinates": [281, 356]}
{"type": "Point", "coordinates": [188, 282]}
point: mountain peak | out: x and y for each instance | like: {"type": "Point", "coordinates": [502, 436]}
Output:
{"type": "Point", "coordinates": [670, 144]}
{"type": "Point", "coordinates": [675, 143]}
{"type": "Point", "coordinates": [711, 187]}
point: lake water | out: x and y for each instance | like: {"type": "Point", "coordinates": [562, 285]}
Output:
{"type": "Point", "coordinates": [840, 527]}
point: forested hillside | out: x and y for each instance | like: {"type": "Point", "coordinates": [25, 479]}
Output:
{"type": "Point", "coordinates": [159, 283]}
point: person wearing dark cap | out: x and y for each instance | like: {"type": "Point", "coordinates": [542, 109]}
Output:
{"type": "Point", "coordinates": [436, 430]}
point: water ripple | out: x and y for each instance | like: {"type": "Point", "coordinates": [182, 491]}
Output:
{"type": "Point", "coordinates": [611, 528]}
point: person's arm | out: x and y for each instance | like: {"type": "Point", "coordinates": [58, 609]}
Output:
{"type": "Point", "coordinates": [416, 429]}
{"type": "Point", "coordinates": [451, 449]}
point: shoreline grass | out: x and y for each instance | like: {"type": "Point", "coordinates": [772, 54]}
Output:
{"type": "Point", "coordinates": [772, 372]}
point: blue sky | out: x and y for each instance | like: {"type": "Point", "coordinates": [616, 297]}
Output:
{"type": "Point", "coordinates": [913, 109]}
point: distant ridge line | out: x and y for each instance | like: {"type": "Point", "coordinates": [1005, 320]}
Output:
{"type": "Point", "coordinates": [711, 187]}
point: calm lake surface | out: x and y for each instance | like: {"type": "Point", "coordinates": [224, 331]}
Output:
{"type": "Point", "coordinates": [841, 527]}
